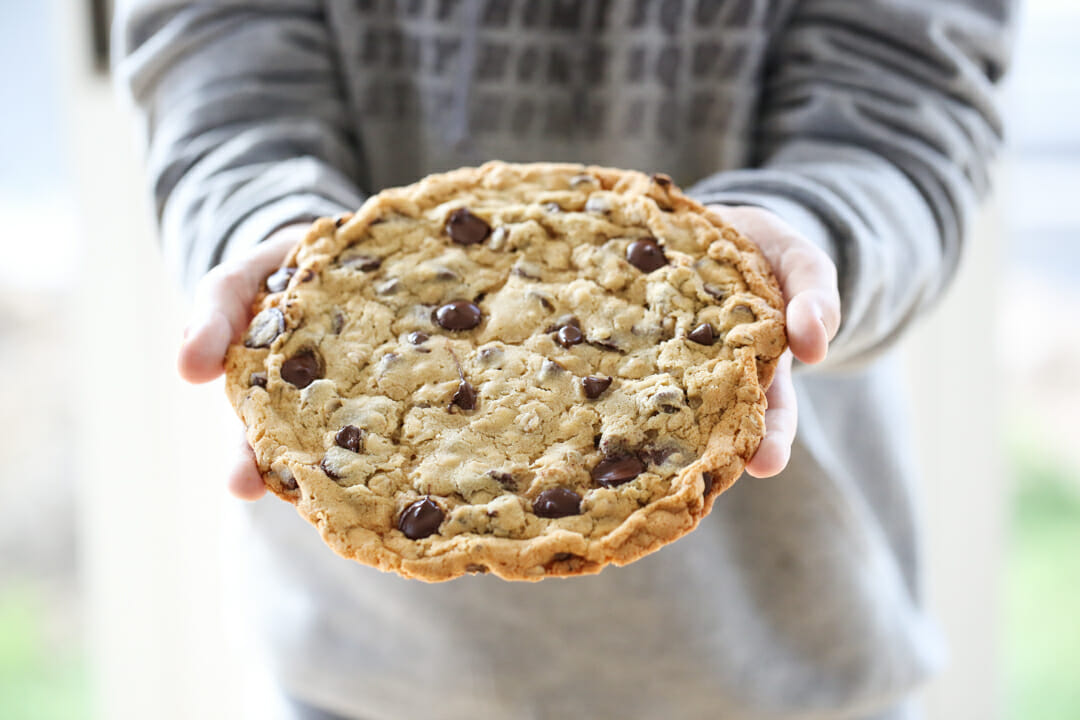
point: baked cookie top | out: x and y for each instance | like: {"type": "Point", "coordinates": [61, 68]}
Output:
{"type": "Point", "coordinates": [533, 370]}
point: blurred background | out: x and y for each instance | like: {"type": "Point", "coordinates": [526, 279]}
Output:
{"type": "Point", "coordinates": [110, 469]}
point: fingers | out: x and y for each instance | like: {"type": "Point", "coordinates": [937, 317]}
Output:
{"type": "Point", "coordinates": [223, 306]}
{"type": "Point", "coordinates": [244, 480]}
{"type": "Point", "coordinates": [781, 420]}
{"type": "Point", "coordinates": [807, 277]}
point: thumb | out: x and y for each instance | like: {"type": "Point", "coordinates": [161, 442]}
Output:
{"type": "Point", "coordinates": [222, 307]}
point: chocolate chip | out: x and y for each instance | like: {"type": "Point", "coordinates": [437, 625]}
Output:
{"type": "Point", "coordinates": [465, 396]}
{"type": "Point", "coordinates": [337, 321]}
{"type": "Point", "coordinates": [557, 503]}
{"type": "Point", "coordinates": [420, 519]}
{"type": "Point", "coordinates": [503, 478]}
{"type": "Point", "coordinates": [564, 321]}
{"type": "Point", "coordinates": [707, 478]}
{"type": "Point", "coordinates": [742, 314]}
{"type": "Point", "coordinates": [475, 568]}
{"type": "Point", "coordinates": [285, 477]}
{"type": "Point", "coordinates": [617, 469]}
{"type": "Point", "coordinates": [459, 315]}
{"type": "Point", "coordinates": [307, 276]}
{"type": "Point", "coordinates": [605, 345]}
{"type": "Point", "coordinates": [569, 335]}
{"type": "Point", "coordinates": [349, 437]}
{"type": "Point", "coordinates": [544, 301]}
{"type": "Point", "coordinates": [646, 255]}
{"type": "Point", "coordinates": [703, 334]}
{"type": "Point", "coordinates": [661, 179]}
{"type": "Point", "coordinates": [330, 472]}
{"type": "Point", "coordinates": [301, 369]}
{"type": "Point", "coordinates": [595, 386]}
{"type": "Point", "coordinates": [342, 219]}
{"type": "Point", "coordinates": [279, 280]}
{"type": "Point", "coordinates": [257, 379]}
{"type": "Point", "coordinates": [264, 328]}
{"type": "Point", "coordinates": [417, 338]}
{"type": "Point", "coordinates": [445, 274]}
{"type": "Point", "coordinates": [657, 455]}
{"type": "Point", "coordinates": [715, 292]}
{"type": "Point", "coordinates": [464, 228]}
{"type": "Point", "coordinates": [361, 262]}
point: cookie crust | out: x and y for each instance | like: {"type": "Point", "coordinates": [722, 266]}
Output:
{"type": "Point", "coordinates": [452, 342]}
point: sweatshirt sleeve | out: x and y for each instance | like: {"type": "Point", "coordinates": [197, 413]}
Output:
{"type": "Point", "coordinates": [244, 117]}
{"type": "Point", "coordinates": [876, 128]}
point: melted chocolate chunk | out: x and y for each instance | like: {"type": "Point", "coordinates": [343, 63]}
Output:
{"type": "Point", "coordinates": [264, 328]}
{"type": "Point", "coordinates": [325, 467]}
{"type": "Point", "coordinates": [417, 338]}
{"type": "Point", "coordinates": [475, 568]}
{"type": "Point", "coordinates": [503, 478]}
{"type": "Point", "coordinates": [363, 263]}
{"type": "Point", "coordinates": [703, 334]}
{"type": "Point", "coordinates": [279, 280]}
{"type": "Point", "coordinates": [568, 335]}
{"type": "Point", "coordinates": [707, 478]}
{"type": "Point", "coordinates": [349, 437]}
{"type": "Point", "coordinates": [301, 369]}
{"type": "Point", "coordinates": [459, 315]}
{"type": "Point", "coordinates": [288, 482]}
{"type": "Point", "coordinates": [465, 397]}
{"type": "Point", "coordinates": [257, 379]}
{"type": "Point", "coordinates": [657, 455]}
{"type": "Point", "coordinates": [464, 228]}
{"type": "Point", "coordinates": [420, 519]}
{"type": "Point", "coordinates": [594, 386]}
{"type": "Point", "coordinates": [646, 255]}
{"type": "Point", "coordinates": [617, 469]}
{"type": "Point", "coordinates": [661, 179]}
{"type": "Point", "coordinates": [557, 503]}
{"type": "Point", "coordinates": [605, 345]}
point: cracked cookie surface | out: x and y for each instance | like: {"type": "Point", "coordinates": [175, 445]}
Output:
{"type": "Point", "coordinates": [533, 370]}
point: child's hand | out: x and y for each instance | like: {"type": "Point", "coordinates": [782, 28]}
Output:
{"type": "Point", "coordinates": [221, 315]}
{"type": "Point", "coordinates": [808, 278]}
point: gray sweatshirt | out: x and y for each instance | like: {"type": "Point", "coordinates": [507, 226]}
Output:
{"type": "Point", "coordinates": [868, 124]}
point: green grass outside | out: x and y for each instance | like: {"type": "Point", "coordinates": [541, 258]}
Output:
{"type": "Point", "coordinates": [41, 677]}
{"type": "Point", "coordinates": [1041, 639]}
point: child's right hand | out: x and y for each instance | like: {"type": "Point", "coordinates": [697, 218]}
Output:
{"type": "Point", "coordinates": [220, 316]}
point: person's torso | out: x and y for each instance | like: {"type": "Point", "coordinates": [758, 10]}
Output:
{"type": "Point", "coordinates": [655, 85]}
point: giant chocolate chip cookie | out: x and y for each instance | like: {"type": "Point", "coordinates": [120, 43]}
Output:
{"type": "Point", "coordinates": [532, 370]}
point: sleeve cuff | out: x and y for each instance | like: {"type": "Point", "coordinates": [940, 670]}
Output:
{"type": "Point", "coordinates": [262, 223]}
{"type": "Point", "coordinates": [812, 227]}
